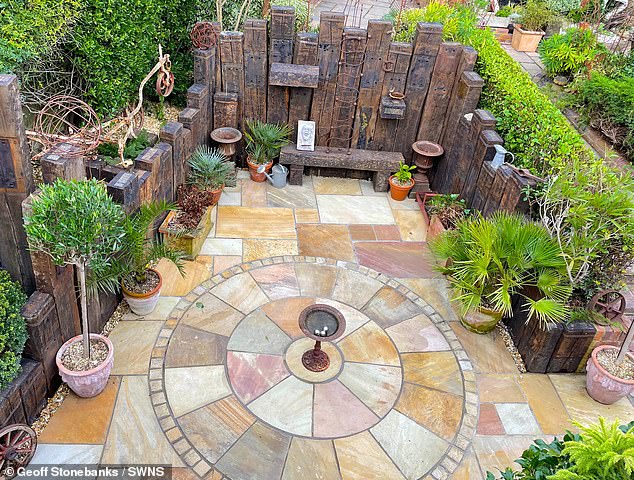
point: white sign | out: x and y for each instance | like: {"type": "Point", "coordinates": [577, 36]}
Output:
{"type": "Point", "coordinates": [306, 135]}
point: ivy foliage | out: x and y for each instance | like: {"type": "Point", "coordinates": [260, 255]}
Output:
{"type": "Point", "coordinates": [13, 333]}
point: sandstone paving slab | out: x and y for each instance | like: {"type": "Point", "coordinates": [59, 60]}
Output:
{"type": "Point", "coordinates": [367, 188]}
{"type": "Point", "coordinates": [439, 412]}
{"type": "Point", "coordinates": [177, 285]}
{"type": "Point", "coordinates": [230, 199]}
{"type": "Point", "coordinates": [294, 363]}
{"type": "Point", "coordinates": [354, 318]}
{"type": "Point", "coordinates": [468, 468]}
{"type": "Point", "coordinates": [489, 422]}
{"type": "Point", "coordinates": [354, 288]}
{"type": "Point", "coordinates": [311, 458]}
{"type": "Point", "coordinates": [498, 452]}
{"type": "Point", "coordinates": [349, 209]}
{"type": "Point", "coordinates": [549, 411]}
{"type": "Point", "coordinates": [377, 386]}
{"type": "Point", "coordinates": [293, 196]}
{"type": "Point", "coordinates": [254, 194]}
{"type": "Point", "coordinates": [500, 388]}
{"type": "Point", "coordinates": [258, 455]}
{"type": "Point", "coordinates": [362, 232]}
{"type": "Point", "coordinates": [222, 247]}
{"type": "Point", "coordinates": [439, 370]}
{"type": "Point", "coordinates": [389, 307]}
{"type": "Point", "coordinates": [517, 419]}
{"type": "Point", "coordinates": [407, 204]}
{"type": "Point", "coordinates": [252, 374]}
{"type": "Point", "coordinates": [211, 314]}
{"type": "Point", "coordinates": [369, 344]}
{"type": "Point", "coordinates": [487, 352]}
{"type": "Point", "coordinates": [387, 232]}
{"type": "Point", "coordinates": [306, 215]}
{"type": "Point", "coordinates": [435, 292]}
{"type": "Point", "coordinates": [216, 427]}
{"type": "Point", "coordinates": [417, 334]}
{"type": "Point", "coordinates": [196, 347]}
{"type": "Point", "coordinates": [193, 387]}
{"type": "Point", "coordinates": [397, 259]}
{"type": "Point", "coordinates": [246, 222]}
{"type": "Point", "coordinates": [336, 186]}
{"type": "Point", "coordinates": [162, 311]}
{"type": "Point", "coordinates": [133, 342]}
{"type": "Point", "coordinates": [277, 281]}
{"type": "Point", "coordinates": [361, 457]}
{"type": "Point", "coordinates": [132, 415]}
{"type": "Point", "coordinates": [255, 249]}
{"type": "Point", "coordinates": [224, 262]}
{"type": "Point", "coordinates": [82, 420]}
{"type": "Point", "coordinates": [404, 441]}
{"type": "Point", "coordinates": [411, 225]}
{"type": "Point", "coordinates": [287, 406]}
{"type": "Point", "coordinates": [69, 454]}
{"type": "Point", "coordinates": [241, 292]}
{"type": "Point", "coordinates": [258, 334]}
{"type": "Point", "coordinates": [285, 314]}
{"type": "Point", "coordinates": [318, 240]}
{"type": "Point", "coordinates": [315, 280]}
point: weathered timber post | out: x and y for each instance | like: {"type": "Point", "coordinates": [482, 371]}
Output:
{"type": "Point", "coordinates": [232, 63]}
{"type": "Point", "coordinates": [255, 69]}
{"type": "Point", "coordinates": [198, 99]}
{"type": "Point", "coordinates": [205, 73]}
{"type": "Point", "coordinates": [280, 51]}
{"type": "Point", "coordinates": [63, 161]}
{"type": "Point", "coordinates": [304, 53]}
{"type": "Point", "coordinates": [484, 151]}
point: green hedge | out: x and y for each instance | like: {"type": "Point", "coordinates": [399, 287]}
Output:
{"type": "Point", "coordinates": [12, 328]}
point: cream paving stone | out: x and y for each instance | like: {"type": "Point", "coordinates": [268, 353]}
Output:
{"type": "Point", "coordinates": [500, 388]}
{"type": "Point", "coordinates": [259, 334]}
{"type": "Point", "coordinates": [336, 186]}
{"type": "Point", "coordinates": [285, 313]}
{"type": "Point", "coordinates": [417, 334]}
{"type": "Point", "coordinates": [177, 285]}
{"type": "Point", "coordinates": [330, 241]}
{"type": "Point", "coordinates": [222, 246]}
{"type": "Point", "coordinates": [361, 457]}
{"type": "Point", "coordinates": [189, 388]}
{"type": "Point", "coordinates": [313, 457]}
{"type": "Point", "coordinates": [369, 344]}
{"type": "Point", "coordinates": [293, 196]}
{"type": "Point", "coordinates": [287, 406]}
{"type": "Point", "coordinates": [254, 193]}
{"type": "Point", "coordinates": [517, 419]}
{"type": "Point", "coordinates": [354, 288]}
{"type": "Point", "coordinates": [439, 370]}
{"type": "Point", "coordinates": [581, 407]}
{"type": "Point", "coordinates": [257, 249]}
{"type": "Point", "coordinates": [349, 209]}
{"type": "Point", "coordinates": [407, 204]}
{"type": "Point", "coordinates": [133, 342]}
{"type": "Point", "coordinates": [246, 222]}
{"type": "Point", "coordinates": [389, 307]}
{"type": "Point", "coordinates": [435, 292]}
{"type": "Point", "coordinates": [377, 386]}
{"type": "Point", "coordinates": [495, 453]}
{"type": "Point", "coordinates": [315, 280]}
{"type": "Point", "coordinates": [367, 188]}
{"type": "Point", "coordinates": [193, 347]}
{"type": "Point", "coordinates": [404, 441]}
{"type": "Point", "coordinates": [411, 224]}
{"type": "Point", "coordinates": [56, 454]}
{"type": "Point", "coordinates": [546, 405]}
{"type": "Point", "coordinates": [293, 359]}
{"type": "Point", "coordinates": [162, 311]}
{"type": "Point", "coordinates": [354, 318]}
{"type": "Point", "coordinates": [468, 469]}
{"type": "Point", "coordinates": [211, 314]}
{"type": "Point", "coordinates": [135, 435]}
{"type": "Point", "coordinates": [306, 215]}
{"type": "Point", "coordinates": [487, 352]}
{"type": "Point", "coordinates": [258, 455]}
{"type": "Point", "coordinates": [214, 428]}
{"type": "Point", "coordinates": [241, 292]}
{"type": "Point", "coordinates": [277, 281]}
{"type": "Point", "coordinates": [225, 262]}
{"type": "Point", "coordinates": [230, 198]}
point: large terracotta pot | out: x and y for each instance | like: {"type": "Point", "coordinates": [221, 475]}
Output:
{"type": "Point", "coordinates": [399, 192]}
{"type": "Point", "coordinates": [525, 40]}
{"type": "Point", "coordinates": [602, 385]}
{"type": "Point", "coordinates": [88, 383]}
{"type": "Point", "coordinates": [253, 171]}
{"type": "Point", "coordinates": [143, 304]}
{"type": "Point", "coordinates": [481, 320]}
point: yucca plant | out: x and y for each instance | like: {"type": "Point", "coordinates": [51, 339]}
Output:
{"type": "Point", "coordinates": [265, 140]}
{"type": "Point", "coordinates": [491, 260]}
{"type": "Point", "coordinates": [210, 169]}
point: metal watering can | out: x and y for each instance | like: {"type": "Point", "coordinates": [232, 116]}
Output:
{"type": "Point", "coordinates": [278, 179]}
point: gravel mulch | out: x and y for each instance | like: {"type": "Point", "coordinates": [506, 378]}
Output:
{"type": "Point", "coordinates": [624, 370]}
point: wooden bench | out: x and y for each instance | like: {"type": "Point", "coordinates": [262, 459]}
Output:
{"type": "Point", "coordinates": [383, 164]}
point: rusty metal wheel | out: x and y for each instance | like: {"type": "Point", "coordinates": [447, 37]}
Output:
{"type": "Point", "coordinates": [17, 447]}
{"type": "Point", "coordinates": [609, 303]}
{"type": "Point", "coordinates": [203, 35]}
{"type": "Point", "coordinates": [164, 83]}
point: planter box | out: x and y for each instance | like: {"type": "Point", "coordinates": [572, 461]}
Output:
{"type": "Point", "coordinates": [571, 349]}
{"type": "Point", "coordinates": [525, 40]}
{"type": "Point", "coordinates": [190, 243]}
{"type": "Point", "coordinates": [23, 400]}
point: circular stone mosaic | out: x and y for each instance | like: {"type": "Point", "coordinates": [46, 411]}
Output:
{"type": "Point", "coordinates": [229, 388]}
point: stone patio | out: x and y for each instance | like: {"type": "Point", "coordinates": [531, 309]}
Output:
{"type": "Point", "coordinates": [212, 381]}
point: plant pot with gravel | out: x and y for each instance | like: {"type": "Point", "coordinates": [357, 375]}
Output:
{"type": "Point", "coordinates": [401, 182]}
{"type": "Point", "coordinates": [77, 223]}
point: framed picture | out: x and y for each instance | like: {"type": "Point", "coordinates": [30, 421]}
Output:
{"type": "Point", "coordinates": [306, 135]}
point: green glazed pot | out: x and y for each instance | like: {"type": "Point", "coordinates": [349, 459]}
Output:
{"type": "Point", "coordinates": [481, 320]}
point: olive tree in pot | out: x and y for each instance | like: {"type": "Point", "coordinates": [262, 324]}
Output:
{"type": "Point", "coordinates": [77, 223]}
{"type": "Point", "coordinates": [488, 261]}
{"type": "Point", "coordinates": [264, 142]}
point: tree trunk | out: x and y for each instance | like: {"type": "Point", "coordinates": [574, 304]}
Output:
{"type": "Point", "coordinates": [84, 308]}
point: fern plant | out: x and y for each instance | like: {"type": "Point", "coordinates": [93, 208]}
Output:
{"type": "Point", "coordinates": [210, 169]}
{"type": "Point", "coordinates": [492, 260]}
{"type": "Point", "coordinates": [265, 140]}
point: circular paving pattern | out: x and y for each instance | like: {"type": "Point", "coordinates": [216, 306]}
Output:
{"type": "Point", "coordinates": [229, 389]}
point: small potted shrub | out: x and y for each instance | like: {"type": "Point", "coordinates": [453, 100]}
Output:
{"type": "Point", "coordinates": [140, 282]}
{"type": "Point", "coordinates": [12, 328]}
{"type": "Point", "coordinates": [534, 17]}
{"type": "Point", "coordinates": [77, 223]}
{"type": "Point", "coordinates": [401, 182]}
{"type": "Point", "coordinates": [488, 261]}
{"type": "Point", "coordinates": [263, 144]}
{"type": "Point", "coordinates": [187, 228]}
{"type": "Point", "coordinates": [442, 212]}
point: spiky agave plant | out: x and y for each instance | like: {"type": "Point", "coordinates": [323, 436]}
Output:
{"type": "Point", "coordinates": [210, 169]}
{"type": "Point", "coordinates": [491, 260]}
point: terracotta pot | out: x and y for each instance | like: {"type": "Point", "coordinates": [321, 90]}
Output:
{"type": "Point", "coordinates": [253, 171]}
{"type": "Point", "coordinates": [602, 385]}
{"type": "Point", "coordinates": [399, 192]}
{"type": "Point", "coordinates": [525, 40]}
{"type": "Point", "coordinates": [88, 383]}
{"type": "Point", "coordinates": [190, 243]}
{"type": "Point", "coordinates": [143, 303]}
{"type": "Point", "coordinates": [481, 320]}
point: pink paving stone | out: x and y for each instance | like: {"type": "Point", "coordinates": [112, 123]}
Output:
{"type": "Point", "coordinates": [417, 334]}
{"type": "Point", "coordinates": [277, 281]}
{"type": "Point", "coordinates": [387, 232]}
{"type": "Point", "coordinates": [252, 374]}
{"type": "Point", "coordinates": [397, 259]}
{"type": "Point", "coordinates": [338, 413]}
{"type": "Point", "coordinates": [489, 422]}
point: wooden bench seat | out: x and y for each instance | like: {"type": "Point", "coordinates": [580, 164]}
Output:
{"type": "Point", "coordinates": [383, 164]}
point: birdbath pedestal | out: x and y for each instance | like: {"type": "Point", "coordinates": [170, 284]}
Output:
{"type": "Point", "coordinates": [320, 323]}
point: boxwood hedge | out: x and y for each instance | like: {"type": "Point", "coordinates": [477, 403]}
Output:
{"type": "Point", "coordinates": [12, 328]}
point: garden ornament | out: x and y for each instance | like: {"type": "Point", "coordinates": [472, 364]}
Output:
{"type": "Point", "coordinates": [500, 155]}
{"type": "Point", "coordinates": [278, 179]}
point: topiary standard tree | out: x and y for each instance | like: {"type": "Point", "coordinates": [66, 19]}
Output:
{"type": "Point", "coordinates": [76, 223]}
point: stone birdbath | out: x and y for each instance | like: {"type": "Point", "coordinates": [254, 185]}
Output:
{"type": "Point", "coordinates": [320, 323]}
